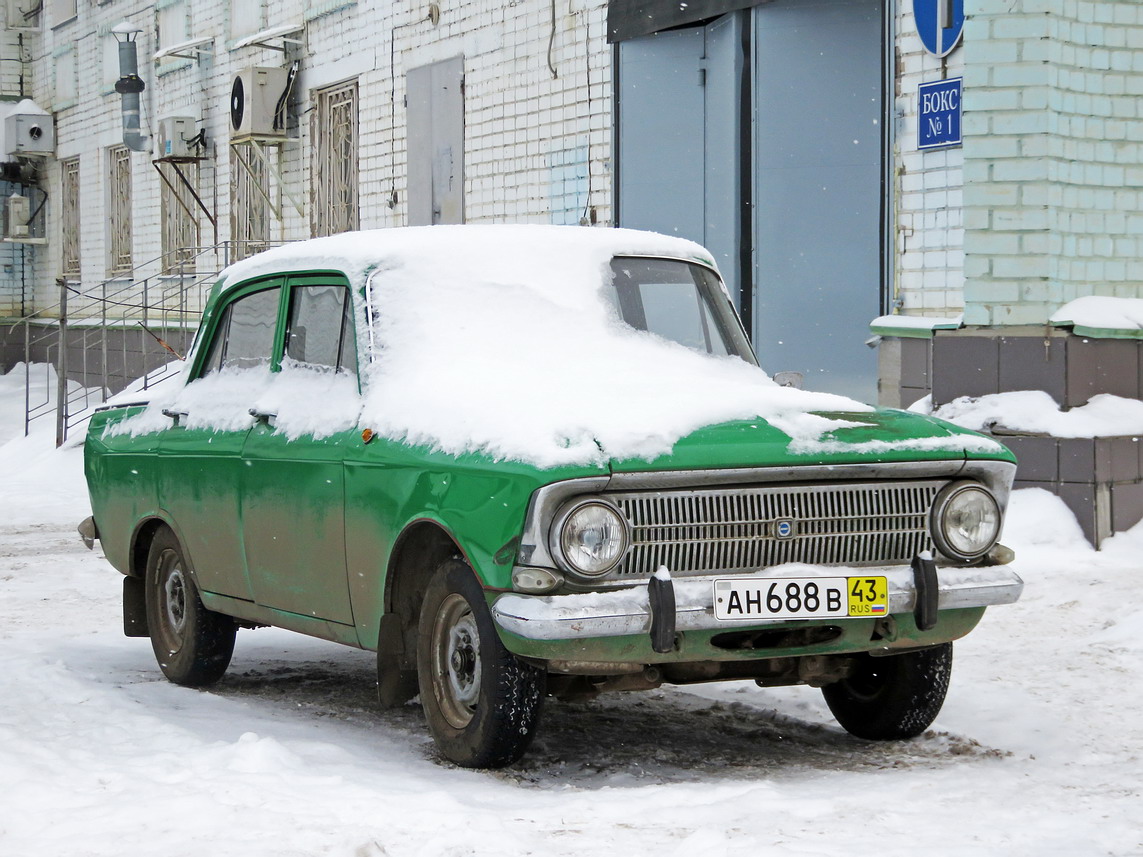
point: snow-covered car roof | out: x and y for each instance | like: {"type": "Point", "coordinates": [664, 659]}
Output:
{"type": "Point", "coordinates": [505, 253]}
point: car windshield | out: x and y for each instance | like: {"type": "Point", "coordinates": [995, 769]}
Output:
{"type": "Point", "coordinates": [679, 301]}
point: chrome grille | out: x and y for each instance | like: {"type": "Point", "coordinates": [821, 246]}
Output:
{"type": "Point", "coordinates": [736, 529]}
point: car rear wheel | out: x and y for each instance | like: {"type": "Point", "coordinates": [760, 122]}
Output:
{"type": "Point", "coordinates": [481, 702]}
{"type": "Point", "coordinates": [193, 645]}
{"type": "Point", "coordinates": [892, 697]}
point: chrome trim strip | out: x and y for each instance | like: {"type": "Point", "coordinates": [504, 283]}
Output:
{"type": "Point", "coordinates": [946, 469]}
{"type": "Point", "coordinates": [627, 612]}
{"type": "Point", "coordinates": [538, 519]}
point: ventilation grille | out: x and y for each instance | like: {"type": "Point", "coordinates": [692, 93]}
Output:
{"type": "Point", "coordinates": [743, 529]}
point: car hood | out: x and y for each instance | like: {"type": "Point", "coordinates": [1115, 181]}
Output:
{"type": "Point", "coordinates": [881, 435]}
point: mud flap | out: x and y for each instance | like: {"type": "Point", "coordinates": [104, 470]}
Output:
{"type": "Point", "coordinates": [135, 607]}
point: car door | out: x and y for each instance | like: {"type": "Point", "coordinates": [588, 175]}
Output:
{"type": "Point", "coordinates": [200, 453]}
{"type": "Point", "coordinates": [293, 502]}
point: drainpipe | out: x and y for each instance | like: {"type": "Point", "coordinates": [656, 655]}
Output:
{"type": "Point", "coordinates": [129, 86]}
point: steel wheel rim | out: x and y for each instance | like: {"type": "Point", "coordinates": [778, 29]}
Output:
{"type": "Point", "coordinates": [456, 661]}
{"type": "Point", "coordinates": [867, 684]}
{"type": "Point", "coordinates": [172, 590]}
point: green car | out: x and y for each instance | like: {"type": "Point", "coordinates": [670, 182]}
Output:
{"type": "Point", "coordinates": [528, 461]}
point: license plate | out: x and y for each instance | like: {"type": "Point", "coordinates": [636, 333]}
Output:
{"type": "Point", "coordinates": [800, 597]}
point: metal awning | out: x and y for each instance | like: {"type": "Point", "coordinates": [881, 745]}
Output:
{"type": "Point", "coordinates": [274, 38]}
{"type": "Point", "coordinates": [629, 19]}
{"type": "Point", "coordinates": [189, 50]}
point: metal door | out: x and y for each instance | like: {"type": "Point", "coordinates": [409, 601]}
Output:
{"type": "Point", "coordinates": [435, 98]}
{"type": "Point", "coordinates": [818, 96]}
{"type": "Point", "coordinates": [680, 95]}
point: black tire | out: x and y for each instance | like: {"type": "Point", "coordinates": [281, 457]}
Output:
{"type": "Point", "coordinates": [193, 645]}
{"type": "Point", "coordinates": [892, 697]}
{"type": "Point", "coordinates": [481, 702]}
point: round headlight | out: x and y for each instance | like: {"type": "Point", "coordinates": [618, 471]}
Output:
{"type": "Point", "coordinates": [966, 520]}
{"type": "Point", "coordinates": [592, 537]}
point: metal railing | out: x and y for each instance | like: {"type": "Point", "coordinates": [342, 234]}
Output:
{"type": "Point", "coordinates": [126, 329]}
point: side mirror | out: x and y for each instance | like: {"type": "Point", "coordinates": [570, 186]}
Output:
{"type": "Point", "coordinates": [789, 379]}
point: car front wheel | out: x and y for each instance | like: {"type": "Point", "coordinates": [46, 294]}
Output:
{"type": "Point", "coordinates": [193, 645]}
{"type": "Point", "coordinates": [481, 702]}
{"type": "Point", "coordinates": [892, 697]}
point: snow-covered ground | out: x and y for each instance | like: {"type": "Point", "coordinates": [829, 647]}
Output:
{"type": "Point", "coordinates": [1039, 749]}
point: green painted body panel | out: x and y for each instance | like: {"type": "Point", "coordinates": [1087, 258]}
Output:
{"type": "Point", "coordinates": [755, 443]}
{"type": "Point", "coordinates": [480, 503]}
{"type": "Point", "coordinates": [195, 480]}
{"type": "Point", "coordinates": [308, 528]}
{"type": "Point", "coordinates": [292, 500]}
{"type": "Point", "coordinates": [305, 527]}
{"type": "Point", "coordinates": [121, 485]}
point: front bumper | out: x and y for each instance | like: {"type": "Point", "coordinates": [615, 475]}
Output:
{"type": "Point", "coordinates": [628, 612]}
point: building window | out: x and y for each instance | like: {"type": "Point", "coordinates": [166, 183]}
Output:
{"type": "Point", "coordinates": [174, 29]}
{"type": "Point", "coordinates": [249, 204]}
{"type": "Point", "coordinates": [63, 68]}
{"type": "Point", "coordinates": [178, 212]}
{"type": "Point", "coordinates": [61, 11]}
{"type": "Point", "coordinates": [69, 207]}
{"type": "Point", "coordinates": [334, 206]}
{"type": "Point", "coordinates": [24, 13]}
{"type": "Point", "coordinates": [246, 18]}
{"type": "Point", "coordinates": [119, 209]}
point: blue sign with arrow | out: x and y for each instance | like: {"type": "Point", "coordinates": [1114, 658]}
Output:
{"type": "Point", "coordinates": [939, 24]}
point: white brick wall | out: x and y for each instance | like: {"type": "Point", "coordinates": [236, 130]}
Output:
{"type": "Point", "coordinates": [537, 147]}
{"type": "Point", "coordinates": [928, 214]}
{"type": "Point", "coordinates": [1039, 206]}
{"type": "Point", "coordinates": [1053, 155]}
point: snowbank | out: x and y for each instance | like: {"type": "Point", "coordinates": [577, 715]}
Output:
{"type": "Point", "coordinates": [1036, 412]}
{"type": "Point", "coordinates": [1101, 313]}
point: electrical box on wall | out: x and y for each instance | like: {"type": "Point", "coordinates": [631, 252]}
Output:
{"type": "Point", "coordinates": [29, 130]}
{"type": "Point", "coordinates": [17, 224]}
{"type": "Point", "coordinates": [178, 137]}
{"type": "Point", "coordinates": [258, 102]}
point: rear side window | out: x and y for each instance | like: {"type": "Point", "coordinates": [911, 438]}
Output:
{"type": "Point", "coordinates": [244, 337]}
{"type": "Point", "coordinates": [320, 330]}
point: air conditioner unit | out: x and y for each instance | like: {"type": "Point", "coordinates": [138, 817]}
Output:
{"type": "Point", "coordinates": [258, 102]}
{"type": "Point", "coordinates": [18, 225]}
{"type": "Point", "coordinates": [175, 136]}
{"type": "Point", "coordinates": [29, 130]}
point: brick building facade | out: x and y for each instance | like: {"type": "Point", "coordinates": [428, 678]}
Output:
{"type": "Point", "coordinates": [783, 134]}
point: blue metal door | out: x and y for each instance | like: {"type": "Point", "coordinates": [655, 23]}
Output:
{"type": "Point", "coordinates": [800, 186]}
{"type": "Point", "coordinates": [680, 96]}
{"type": "Point", "coordinates": [818, 98]}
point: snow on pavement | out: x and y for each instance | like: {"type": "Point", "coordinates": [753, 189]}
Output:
{"type": "Point", "coordinates": [1039, 749]}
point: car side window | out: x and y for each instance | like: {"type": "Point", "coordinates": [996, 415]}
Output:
{"type": "Point", "coordinates": [320, 331]}
{"type": "Point", "coordinates": [244, 337]}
